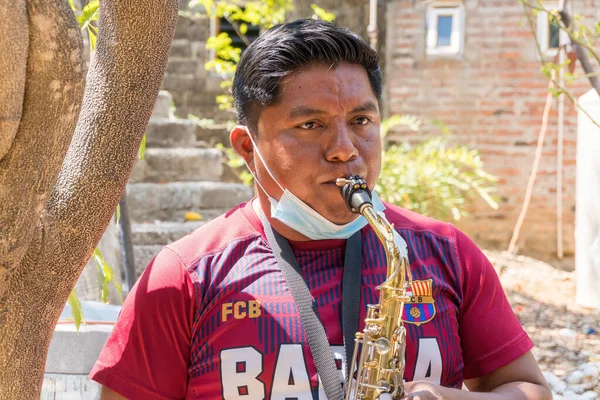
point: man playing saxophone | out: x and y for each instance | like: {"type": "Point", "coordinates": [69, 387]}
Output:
{"type": "Point", "coordinates": [214, 315]}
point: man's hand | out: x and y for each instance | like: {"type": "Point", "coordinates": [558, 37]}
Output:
{"type": "Point", "coordinates": [423, 390]}
{"type": "Point", "coordinates": [519, 380]}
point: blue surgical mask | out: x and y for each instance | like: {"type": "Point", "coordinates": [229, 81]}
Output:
{"type": "Point", "coordinates": [299, 216]}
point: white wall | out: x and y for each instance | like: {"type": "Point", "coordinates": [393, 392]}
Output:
{"type": "Point", "coordinates": [587, 220]}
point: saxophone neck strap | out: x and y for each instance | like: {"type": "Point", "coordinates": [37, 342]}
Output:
{"type": "Point", "coordinates": [313, 327]}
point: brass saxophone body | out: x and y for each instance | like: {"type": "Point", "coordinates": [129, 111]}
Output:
{"type": "Point", "coordinates": [380, 369]}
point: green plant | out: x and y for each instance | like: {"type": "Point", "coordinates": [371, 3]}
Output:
{"type": "Point", "coordinates": [432, 178]}
{"type": "Point", "coordinates": [262, 14]}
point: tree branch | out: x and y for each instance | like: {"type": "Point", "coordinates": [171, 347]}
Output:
{"type": "Point", "coordinates": [50, 105]}
{"type": "Point", "coordinates": [13, 64]}
{"type": "Point", "coordinates": [565, 24]}
{"type": "Point", "coordinates": [237, 30]}
{"type": "Point", "coordinates": [580, 49]}
{"type": "Point", "coordinates": [125, 75]}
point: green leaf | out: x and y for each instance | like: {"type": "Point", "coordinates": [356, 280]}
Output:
{"type": "Point", "coordinates": [434, 178]}
{"type": "Point", "coordinates": [72, 5]}
{"type": "Point", "coordinates": [407, 120]}
{"type": "Point", "coordinates": [90, 12]}
{"type": "Point", "coordinates": [76, 310]}
{"type": "Point", "coordinates": [322, 14]}
{"type": "Point", "coordinates": [107, 274]}
{"type": "Point", "coordinates": [237, 165]}
{"type": "Point", "coordinates": [93, 34]}
{"type": "Point", "coordinates": [201, 122]}
{"type": "Point", "coordinates": [243, 28]}
{"type": "Point", "coordinates": [142, 149]}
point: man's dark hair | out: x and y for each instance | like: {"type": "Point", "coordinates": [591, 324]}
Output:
{"type": "Point", "coordinates": [284, 49]}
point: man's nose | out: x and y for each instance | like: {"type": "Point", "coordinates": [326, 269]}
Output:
{"type": "Point", "coordinates": [340, 147]}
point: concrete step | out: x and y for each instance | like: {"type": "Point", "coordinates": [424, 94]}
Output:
{"type": "Point", "coordinates": [143, 254]}
{"type": "Point", "coordinates": [212, 135]}
{"type": "Point", "coordinates": [68, 386]}
{"type": "Point", "coordinates": [149, 239]}
{"type": "Point", "coordinates": [73, 352]}
{"type": "Point", "coordinates": [162, 233]}
{"type": "Point", "coordinates": [162, 107]}
{"type": "Point", "coordinates": [178, 165]}
{"type": "Point", "coordinates": [148, 202]}
{"type": "Point", "coordinates": [168, 132]}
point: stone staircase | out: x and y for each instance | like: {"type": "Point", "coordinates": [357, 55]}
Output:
{"type": "Point", "coordinates": [179, 174]}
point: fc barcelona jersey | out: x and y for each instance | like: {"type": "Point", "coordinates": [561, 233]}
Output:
{"type": "Point", "coordinates": [213, 318]}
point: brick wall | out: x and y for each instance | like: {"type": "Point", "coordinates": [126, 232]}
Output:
{"type": "Point", "coordinates": [492, 99]}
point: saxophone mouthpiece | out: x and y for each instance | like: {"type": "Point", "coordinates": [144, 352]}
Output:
{"type": "Point", "coordinates": [355, 192]}
{"type": "Point", "coordinates": [341, 181]}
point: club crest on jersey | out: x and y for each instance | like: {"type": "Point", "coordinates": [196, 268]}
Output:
{"type": "Point", "coordinates": [420, 308]}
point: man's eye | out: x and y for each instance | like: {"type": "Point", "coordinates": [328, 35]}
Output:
{"type": "Point", "coordinates": [362, 120]}
{"type": "Point", "coordinates": [308, 125]}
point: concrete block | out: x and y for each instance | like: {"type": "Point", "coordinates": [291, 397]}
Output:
{"type": "Point", "coordinates": [182, 82]}
{"type": "Point", "coordinates": [69, 387]}
{"type": "Point", "coordinates": [179, 98]}
{"type": "Point", "coordinates": [163, 132]}
{"type": "Point", "coordinates": [213, 85]}
{"type": "Point", "coordinates": [162, 233]}
{"type": "Point", "coordinates": [73, 352]}
{"type": "Point", "coordinates": [213, 135]}
{"type": "Point", "coordinates": [163, 105]}
{"type": "Point", "coordinates": [178, 165]}
{"type": "Point", "coordinates": [180, 48]}
{"type": "Point", "coordinates": [197, 29]}
{"type": "Point", "coordinates": [183, 67]}
{"type": "Point", "coordinates": [198, 51]}
{"type": "Point", "coordinates": [169, 201]}
{"type": "Point", "coordinates": [143, 254]}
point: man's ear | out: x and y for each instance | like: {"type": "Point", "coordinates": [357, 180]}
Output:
{"type": "Point", "coordinates": [242, 144]}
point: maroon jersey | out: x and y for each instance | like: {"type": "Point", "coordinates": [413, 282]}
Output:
{"type": "Point", "coordinates": [213, 318]}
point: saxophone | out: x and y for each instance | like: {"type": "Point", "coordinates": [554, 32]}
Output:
{"type": "Point", "coordinates": [380, 368]}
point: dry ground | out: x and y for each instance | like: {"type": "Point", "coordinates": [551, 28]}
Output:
{"type": "Point", "coordinates": [543, 297]}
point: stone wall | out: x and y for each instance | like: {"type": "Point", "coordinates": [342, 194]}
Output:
{"type": "Point", "coordinates": [194, 89]}
{"type": "Point", "coordinates": [492, 98]}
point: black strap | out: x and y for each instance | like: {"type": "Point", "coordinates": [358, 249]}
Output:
{"type": "Point", "coordinates": [351, 298]}
{"type": "Point", "coordinates": [315, 332]}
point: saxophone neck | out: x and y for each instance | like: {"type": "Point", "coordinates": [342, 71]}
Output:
{"type": "Point", "coordinates": [383, 229]}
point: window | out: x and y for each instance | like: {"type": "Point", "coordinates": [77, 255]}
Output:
{"type": "Point", "coordinates": [445, 29]}
{"type": "Point", "coordinates": [549, 35]}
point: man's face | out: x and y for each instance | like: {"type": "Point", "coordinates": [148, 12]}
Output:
{"type": "Point", "coordinates": [325, 126]}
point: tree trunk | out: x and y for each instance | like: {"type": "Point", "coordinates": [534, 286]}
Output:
{"type": "Point", "coordinates": [58, 190]}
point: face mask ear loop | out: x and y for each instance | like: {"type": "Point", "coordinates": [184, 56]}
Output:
{"type": "Point", "coordinates": [256, 179]}
{"type": "Point", "coordinates": [263, 161]}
